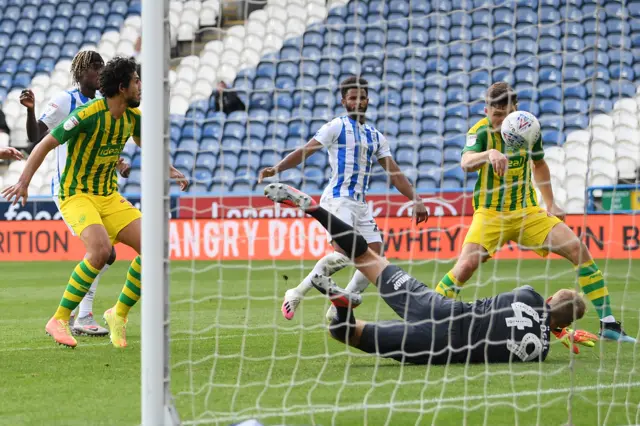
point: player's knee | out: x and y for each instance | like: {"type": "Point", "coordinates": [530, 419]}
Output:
{"type": "Point", "coordinates": [98, 255]}
{"type": "Point", "coordinates": [577, 252]}
{"type": "Point", "coordinates": [112, 256]}
{"type": "Point", "coordinates": [340, 331]}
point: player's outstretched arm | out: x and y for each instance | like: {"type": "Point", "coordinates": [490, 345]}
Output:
{"type": "Point", "coordinates": [400, 181]}
{"type": "Point", "coordinates": [19, 190]}
{"type": "Point", "coordinates": [292, 160]}
{"type": "Point", "coordinates": [36, 130]}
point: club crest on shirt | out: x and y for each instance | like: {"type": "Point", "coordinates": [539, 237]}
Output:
{"type": "Point", "coordinates": [70, 123]}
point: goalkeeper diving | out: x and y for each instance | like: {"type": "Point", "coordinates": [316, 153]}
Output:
{"type": "Point", "coordinates": [434, 329]}
{"type": "Point", "coordinates": [506, 209]}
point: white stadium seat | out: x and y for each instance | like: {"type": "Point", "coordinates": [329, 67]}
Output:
{"type": "Point", "coordinates": [576, 150]}
{"type": "Point", "coordinates": [627, 167]}
{"type": "Point", "coordinates": [186, 30]}
{"type": "Point", "coordinates": [253, 43]}
{"type": "Point", "coordinates": [227, 73]}
{"type": "Point", "coordinates": [183, 88]}
{"type": "Point", "coordinates": [298, 12]}
{"type": "Point", "coordinates": [602, 120]}
{"type": "Point", "coordinates": [581, 136]}
{"type": "Point", "coordinates": [215, 46]}
{"type": "Point", "coordinates": [191, 61]}
{"type": "Point", "coordinates": [203, 87]}
{"type": "Point", "coordinates": [258, 15]}
{"type": "Point", "coordinates": [230, 57]}
{"type": "Point", "coordinates": [295, 27]}
{"type": "Point", "coordinates": [209, 14]}
{"type": "Point", "coordinates": [187, 74]}
{"type": "Point", "coordinates": [626, 104]}
{"type": "Point", "coordinates": [575, 167]}
{"type": "Point", "coordinates": [211, 59]}
{"type": "Point", "coordinates": [555, 153]}
{"type": "Point", "coordinates": [276, 26]}
{"type": "Point", "coordinates": [626, 134]}
{"type": "Point", "coordinates": [625, 118]}
{"type": "Point", "coordinates": [272, 43]}
{"type": "Point", "coordinates": [237, 31]}
{"type": "Point", "coordinates": [603, 151]}
{"type": "Point", "coordinates": [250, 58]}
{"type": "Point", "coordinates": [204, 71]}
{"type": "Point", "coordinates": [179, 105]}
{"type": "Point", "coordinates": [233, 43]}
{"type": "Point", "coordinates": [133, 21]}
{"type": "Point", "coordinates": [603, 136]}
{"type": "Point", "coordinates": [256, 28]}
{"type": "Point", "coordinates": [574, 206]}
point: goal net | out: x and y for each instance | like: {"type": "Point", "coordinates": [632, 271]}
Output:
{"type": "Point", "coordinates": [233, 253]}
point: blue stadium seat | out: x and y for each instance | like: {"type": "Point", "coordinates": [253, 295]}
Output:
{"type": "Point", "coordinates": [206, 160]}
{"type": "Point", "coordinates": [49, 51]}
{"type": "Point", "coordinates": [9, 66]}
{"type": "Point", "coordinates": [27, 65]}
{"type": "Point", "coordinates": [11, 13]}
{"type": "Point", "coordinates": [531, 107]}
{"type": "Point", "coordinates": [21, 80]}
{"type": "Point", "coordinates": [406, 156]}
{"type": "Point", "coordinates": [60, 24]}
{"type": "Point", "coordinates": [184, 160]}
{"type": "Point", "coordinates": [552, 137]}
{"type": "Point", "coordinates": [119, 7]}
{"type": "Point", "coordinates": [431, 125]}
{"type": "Point", "coordinates": [47, 11]}
{"type": "Point", "coordinates": [621, 72]}
{"type": "Point", "coordinates": [92, 35]}
{"type": "Point", "coordinates": [78, 23]}
{"type": "Point", "coordinates": [100, 8]}
{"type": "Point", "coordinates": [550, 107]}
{"type": "Point", "coordinates": [622, 89]}
{"type": "Point", "coordinates": [576, 122]}
{"type": "Point", "coordinates": [430, 155]}
{"type": "Point", "coordinates": [378, 8]}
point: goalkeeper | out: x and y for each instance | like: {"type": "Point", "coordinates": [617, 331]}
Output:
{"type": "Point", "coordinates": [506, 209]}
{"type": "Point", "coordinates": [512, 326]}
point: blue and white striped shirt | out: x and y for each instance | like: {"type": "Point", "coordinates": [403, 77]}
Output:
{"type": "Point", "coordinates": [352, 148]}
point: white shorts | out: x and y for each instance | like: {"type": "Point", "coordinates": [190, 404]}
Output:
{"type": "Point", "coordinates": [356, 214]}
{"type": "Point", "coordinates": [57, 201]}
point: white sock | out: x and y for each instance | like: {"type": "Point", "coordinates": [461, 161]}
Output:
{"type": "Point", "coordinates": [358, 283]}
{"type": "Point", "coordinates": [86, 305]}
{"type": "Point", "coordinates": [328, 265]}
{"type": "Point", "coordinates": [608, 318]}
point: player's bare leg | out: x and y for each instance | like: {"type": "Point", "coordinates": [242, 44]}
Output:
{"type": "Point", "coordinates": [98, 247]}
{"type": "Point", "coordinates": [564, 242]}
{"type": "Point", "coordinates": [117, 316]}
{"type": "Point", "coordinates": [471, 256]}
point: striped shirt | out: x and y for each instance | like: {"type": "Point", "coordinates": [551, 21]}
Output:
{"type": "Point", "coordinates": [58, 108]}
{"type": "Point", "coordinates": [510, 192]}
{"type": "Point", "coordinates": [351, 147]}
{"type": "Point", "coordinates": [94, 142]}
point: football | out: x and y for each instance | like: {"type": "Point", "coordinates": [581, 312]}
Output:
{"type": "Point", "coordinates": [520, 130]}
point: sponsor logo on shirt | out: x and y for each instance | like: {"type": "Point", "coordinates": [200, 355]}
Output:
{"type": "Point", "coordinates": [109, 151]}
{"type": "Point", "coordinates": [471, 140]}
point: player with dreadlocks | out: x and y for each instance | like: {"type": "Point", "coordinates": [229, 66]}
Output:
{"type": "Point", "coordinates": [85, 71]}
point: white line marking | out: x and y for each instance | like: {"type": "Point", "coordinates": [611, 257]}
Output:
{"type": "Point", "coordinates": [306, 410]}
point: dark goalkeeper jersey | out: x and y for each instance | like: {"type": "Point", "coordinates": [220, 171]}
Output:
{"type": "Point", "coordinates": [511, 326]}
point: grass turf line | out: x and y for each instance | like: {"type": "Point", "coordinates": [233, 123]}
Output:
{"type": "Point", "coordinates": [234, 356]}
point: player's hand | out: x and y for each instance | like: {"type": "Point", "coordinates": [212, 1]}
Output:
{"type": "Point", "coordinates": [499, 162]}
{"type": "Point", "coordinates": [123, 167]}
{"type": "Point", "coordinates": [267, 172]}
{"type": "Point", "coordinates": [579, 337]}
{"type": "Point", "coordinates": [420, 212]}
{"type": "Point", "coordinates": [10, 153]}
{"type": "Point", "coordinates": [16, 192]}
{"type": "Point", "coordinates": [557, 211]}
{"type": "Point", "coordinates": [27, 98]}
{"type": "Point", "coordinates": [181, 178]}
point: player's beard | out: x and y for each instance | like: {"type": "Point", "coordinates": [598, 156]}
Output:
{"type": "Point", "coordinates": [358, 112]}
{"type": "Point", "coordinates": [133, 103]}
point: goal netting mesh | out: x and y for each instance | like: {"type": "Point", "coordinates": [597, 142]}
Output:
{"type": "Point", "coordinates": [428, 64]}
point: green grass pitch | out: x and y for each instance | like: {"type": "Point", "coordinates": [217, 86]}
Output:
{"type": "Point", "coordinates": [234, 357]}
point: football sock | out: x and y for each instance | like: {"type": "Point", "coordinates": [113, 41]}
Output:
{"type": "Point", "coordinates": [593, 286]}
{"type": "Point", "coordinates": [449, 286]}
{"type": "Point", "coordinates": [131, 291]}
{"type": "Point", "coordinates": [358, 283]}
{"type": "Point", "coordinates": [353, 244]}
{"type": "Point", "coordinates": [327, 266]}
{"type": "Point", "coordinates": [86, 305]}
{"type": "Point", "coordinates": [79, 284]}
{"type": "Point", "coordinates": [343, 324]}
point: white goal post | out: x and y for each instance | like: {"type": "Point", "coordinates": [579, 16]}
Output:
{"type": "Point", "coordinates": [156, 398]}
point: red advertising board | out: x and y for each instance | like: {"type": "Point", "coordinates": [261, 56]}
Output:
{"type": "Point", "coordinates": [607, 236]}
{"type": "Point", "coordinates": [232, 207]}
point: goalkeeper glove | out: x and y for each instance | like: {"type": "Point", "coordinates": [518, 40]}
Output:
{"type": "Point", "coordinates": [572, 338]}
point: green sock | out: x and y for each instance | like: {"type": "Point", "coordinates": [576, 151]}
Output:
{"type": "Point", "coordinates": [79, 284]}
{"type": "Point", "coordinates": [449, 286]}
{"type": "Point", "coordinates": [593, 286]}
{"type": "Point", "coordinates": [131, 291]}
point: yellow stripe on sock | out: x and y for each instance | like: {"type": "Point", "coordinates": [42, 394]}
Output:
{"type": "Point", "coordinates": [134, 280]}
{"type": "Point", "coordinates": [72, 297]}
{"type": "Point", "coordinates": [586, 264]}
{"type": "Point", "coordinates": [136, 267]}
{"type": "Point", "coordinates": [91, 268]}
{"type": "Point", "coordinates": [592, 280]}
{"type": "Point", "coordinates": [454, 279]}
{"type": "Point", "coordinates": [77, 286]}
{"type": "Point", "coordinates": [82, 275]}
{"type": "Point", "coordinates": [597, 294]}
{"type": "Point", "coordinates": [130, 294]}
